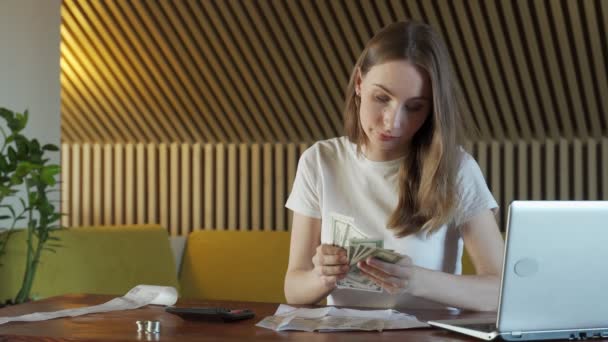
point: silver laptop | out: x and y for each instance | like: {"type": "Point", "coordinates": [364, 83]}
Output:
{"type": "Point", "coordinates": [555, 275]}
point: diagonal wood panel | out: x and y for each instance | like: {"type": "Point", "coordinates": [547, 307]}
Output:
{"type": "Point", "coordinates": [441, 18]}
{"type": "Point", "coordinates": [240, 71]}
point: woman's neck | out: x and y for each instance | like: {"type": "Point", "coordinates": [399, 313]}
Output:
{"type": "Point", "coordinates": [380, 155]}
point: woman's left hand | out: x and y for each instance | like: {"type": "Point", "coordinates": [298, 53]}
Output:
{"type": "Point", "coordinates": [394, 278]}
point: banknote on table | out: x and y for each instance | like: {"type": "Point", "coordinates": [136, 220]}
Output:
{"type": "Point", "coordinates": [358, 247]}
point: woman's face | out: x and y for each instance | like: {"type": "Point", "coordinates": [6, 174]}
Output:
{"type": "Point", "coordinates": [396, 98]}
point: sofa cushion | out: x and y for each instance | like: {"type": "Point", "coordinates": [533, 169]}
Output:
{"type": "Point", "coordinates": [97, 260]}
{"type": "Point", "coordinates": [235, 265]}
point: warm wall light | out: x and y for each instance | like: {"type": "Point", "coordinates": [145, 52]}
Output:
{"type": "Point", "coordinates": [258, 71]}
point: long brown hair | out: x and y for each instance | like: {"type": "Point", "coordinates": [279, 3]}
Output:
{"type": "Point", "coordinates": [427, 177]}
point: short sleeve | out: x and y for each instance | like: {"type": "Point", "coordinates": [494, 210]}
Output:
{"type": "Point", "coordinates": [305, 196]}
{"type": "Point", "coordinates": [474, 195]}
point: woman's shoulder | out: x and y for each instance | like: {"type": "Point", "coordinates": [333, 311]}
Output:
{"type": "Point", "coordinates": [466, 160]}
{"type": "Point", "coordinates": [468, 168]}
{"type": "Point", "coordinates": [330, 148]}
{"type": "Point", "coordinates": [469, 172]}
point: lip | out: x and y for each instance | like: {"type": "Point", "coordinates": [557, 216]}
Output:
{"type": "Point", "coordinates": [386, 137]}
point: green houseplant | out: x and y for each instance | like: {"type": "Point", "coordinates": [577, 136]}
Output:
{"type": "Point", "coordinates": [26, 175]}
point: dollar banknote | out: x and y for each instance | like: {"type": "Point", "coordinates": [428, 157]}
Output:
{"type": "Point", "coordinates": [343, 230]}
{"type": "Point", "coordinates": [358, 247]}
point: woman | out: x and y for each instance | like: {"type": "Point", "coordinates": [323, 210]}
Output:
{"type": "Point", "coordinates": [401, 174]}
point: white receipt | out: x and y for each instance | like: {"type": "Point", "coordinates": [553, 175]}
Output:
{"type": "Point", "coordinates": [137, 297]}
{"type": "Point", "coordinates": [329, 319]}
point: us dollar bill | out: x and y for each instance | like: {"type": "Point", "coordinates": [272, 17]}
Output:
{"type": "Point", "coordinates": [343, 230]}
{"type": "Point", "coordinates": [358, 247]}
{"type": "Point", "coordinates": [355, 280]}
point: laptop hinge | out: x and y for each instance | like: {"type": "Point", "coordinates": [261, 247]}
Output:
{"type": "Point", "coordinates": [517, 334]}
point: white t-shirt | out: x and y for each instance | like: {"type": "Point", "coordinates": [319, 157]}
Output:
{"type": "Point", "coordinates": [332, 178]}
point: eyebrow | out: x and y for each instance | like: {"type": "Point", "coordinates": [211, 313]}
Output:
{"type": "Point", "coordinates": [391, 93]}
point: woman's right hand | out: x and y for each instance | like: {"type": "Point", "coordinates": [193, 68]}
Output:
{"type": "Point", "coordinates": [330, 264]}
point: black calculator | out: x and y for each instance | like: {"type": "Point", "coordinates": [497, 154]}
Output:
{"type": "Point", "coordinates": [211, 313]}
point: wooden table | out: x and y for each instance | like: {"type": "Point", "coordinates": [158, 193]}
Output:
{"type": "Point", "coordinates": [120, 325]}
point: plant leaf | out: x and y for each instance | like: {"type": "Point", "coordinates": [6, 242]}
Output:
{"type": "Point", "coordinates": [50, 147]}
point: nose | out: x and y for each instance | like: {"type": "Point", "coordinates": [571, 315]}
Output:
{"type": "Point", "coordinates": [391, 119]}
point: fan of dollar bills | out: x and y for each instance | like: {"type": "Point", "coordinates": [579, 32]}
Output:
{"type": "Point", "coordinates": [358, 247]}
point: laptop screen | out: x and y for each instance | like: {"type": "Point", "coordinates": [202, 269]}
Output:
{"type": "Point", "coordinates": [555, 266]}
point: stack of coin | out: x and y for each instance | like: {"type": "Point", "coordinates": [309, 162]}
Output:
{"type": "Point", "coordinates": [149, 327]}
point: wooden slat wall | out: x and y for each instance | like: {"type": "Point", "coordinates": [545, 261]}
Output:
{"type": "Point", "coordinates": [244, 187]}
{"type": "Point", "coordinates": [181, 186]}
{"type": "Point", "coordinates": [219, 71]}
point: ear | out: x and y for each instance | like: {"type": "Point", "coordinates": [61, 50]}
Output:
{"type": "Point", "coordinates": [358, 80]}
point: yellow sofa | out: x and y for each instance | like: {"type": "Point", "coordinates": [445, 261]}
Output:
{"type": "Point", "coordinates": [247, 266]}
{"type": "Point", "coordinates": [235, 265]}
{"type": "Point", "coordinates": [100, 260]}
{"type": "Point", "coordinates": [217, 264]}
{"type": "Point", "coordinates": [467, 264]}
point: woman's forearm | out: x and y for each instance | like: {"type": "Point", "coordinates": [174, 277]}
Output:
{"type": "Point", "coordinates": [473, 292]}
{"type": "Point", "coordinates": [305, 287]}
